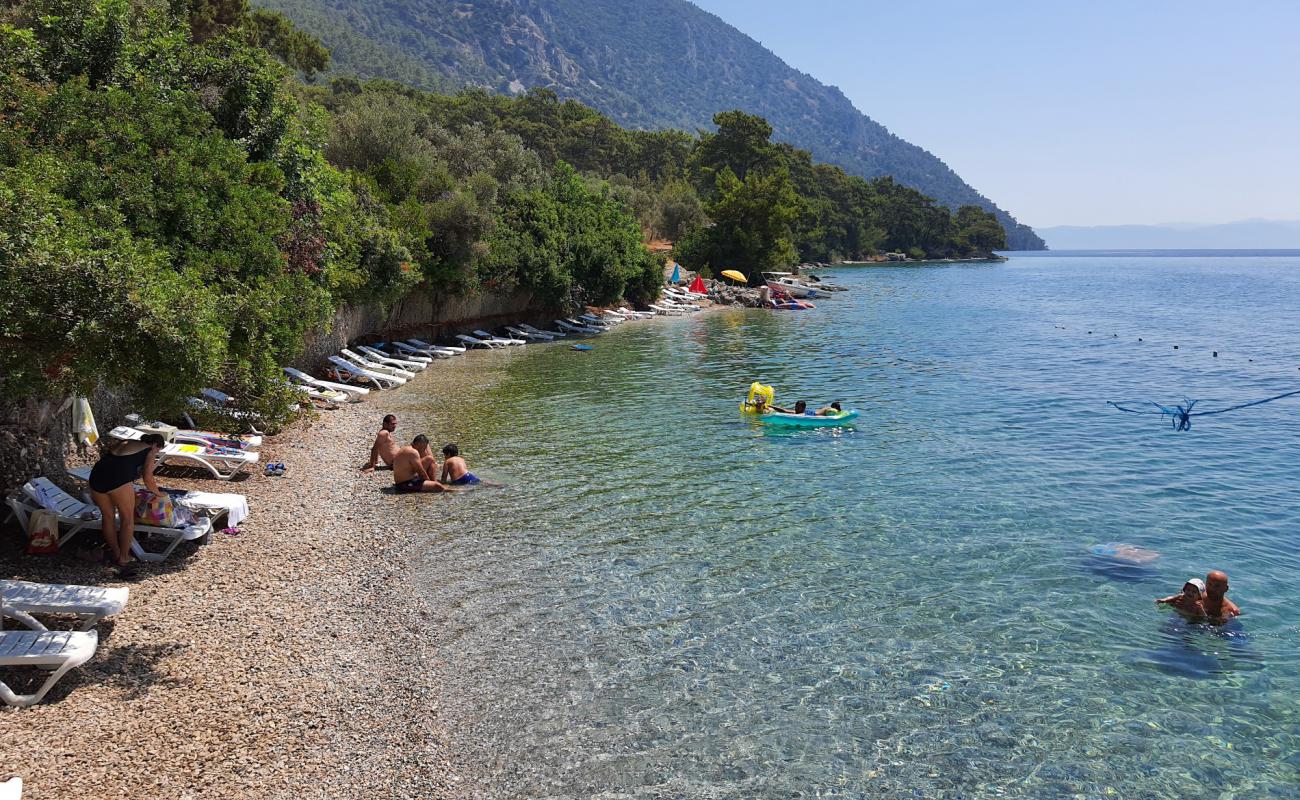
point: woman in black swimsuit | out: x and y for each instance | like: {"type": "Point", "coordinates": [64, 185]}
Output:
{"type": "Point", "coordinates": [112, 487]}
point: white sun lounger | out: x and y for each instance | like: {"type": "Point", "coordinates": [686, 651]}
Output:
{"type": "Point", "coordinates": [454, 348]}
{"type": "Point", "coordinates": [412, 355]}
{"type": "Point", "coordinates": [409, 363]}
{"type": "Point", "coordinates": [89, 604]}
{"type": "Point", "coordinates": [12, 789]}
{"type": "Point", "coordinates": [502, 339]}
{"type": "Point", "coordinates": [667, 310]}
{"type": "Point", "coordinates": [570, 327]}
{"type": "Point", "coordinates": [470, 341]}
{"type": "Point", "coordinates": [411, 350]}
{"type": "Point", "coordinates": [355, 393]}
{"type": "Point", "coordinates": [594, 321]}
{"type": "Point", "coordinates": [239, 441]}
{"type": "Point", "coordinates": [329, 397]}
{"type": "Point", "coordinates": [375, 366]}
{"type": "Point", "coordinates": [531, 329]}
{"type": "Point", "coordinates": [222, 462]}
{"type": "Point", "coordinates": [78, 515]}
{"type": "Point", "coordinates": [533, 337]}
{"type": "Point", "coordinates": [381, 380]}
{"type": "Point", "coordinates": [219, 401]}
{"type": "Point", "coordinates": [636, 314]}
{"type": "Point", "coordinates": [61, 650]}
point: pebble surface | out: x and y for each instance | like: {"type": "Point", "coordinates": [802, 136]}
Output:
{"type": "Point", "coordinates": [288, 661]}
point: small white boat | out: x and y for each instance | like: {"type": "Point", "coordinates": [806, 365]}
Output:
{"type": "Point", "coordinates": [788, 283]}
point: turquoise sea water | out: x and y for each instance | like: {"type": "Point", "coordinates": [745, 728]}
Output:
{"type": "Point", "coordinates": [669, 601]}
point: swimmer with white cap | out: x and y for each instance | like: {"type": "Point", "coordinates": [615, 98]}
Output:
{"type": "Point", "coordinates": [1191, 601]}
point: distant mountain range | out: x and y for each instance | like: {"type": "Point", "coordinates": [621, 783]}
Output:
{"type": "Point", "coordinates": [644, 63]}
{"type": "Point", "coordinates": [1254, 234]}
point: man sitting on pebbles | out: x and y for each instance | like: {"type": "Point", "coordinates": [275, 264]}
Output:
{"type": "Point", "coordinates": [384, 447]}
{"type": "Point", "coordinates": [409, 472]}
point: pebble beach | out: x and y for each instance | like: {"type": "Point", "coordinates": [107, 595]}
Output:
{"type": "Point", "coordinates": [284, 661]}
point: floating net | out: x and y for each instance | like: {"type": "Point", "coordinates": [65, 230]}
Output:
{"type": "Point", "coordinates": [1180, 416]}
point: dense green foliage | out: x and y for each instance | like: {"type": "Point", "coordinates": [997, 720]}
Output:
{"type": "Point", "coordinates": [172, 220]}
{"type": "Point", "coordinates": [770, 203]}
{"type": "Point", "coordinates": [180, 212]}
{"type": "Point", "coordinates": [650, 64]}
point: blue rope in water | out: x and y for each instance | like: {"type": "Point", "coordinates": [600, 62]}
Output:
{"type": "Point", "coordinates": [1181, 416]}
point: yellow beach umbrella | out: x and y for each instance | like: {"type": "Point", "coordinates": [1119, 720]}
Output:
{"type": "Point", "coordinates": [735, 276]}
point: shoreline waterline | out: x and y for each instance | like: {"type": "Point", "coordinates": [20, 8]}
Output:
{"type": "Point", "coordinates": [287, 661]}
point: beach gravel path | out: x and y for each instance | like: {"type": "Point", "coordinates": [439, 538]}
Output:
{"type": "Point", "coordinates": [289, 661]}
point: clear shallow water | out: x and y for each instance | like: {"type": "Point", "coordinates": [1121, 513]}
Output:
{"type": "Point", "coordinates": [670, 602]}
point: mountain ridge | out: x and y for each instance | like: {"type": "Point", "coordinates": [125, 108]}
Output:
{"type": "Point", "coordinates": [650, 64]}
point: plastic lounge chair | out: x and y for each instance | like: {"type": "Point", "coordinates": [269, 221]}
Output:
{"type": "Point", "coordinates": [454, 348]}
{"type": "Point", "coordinates": [236, 441]}
{"type": "Point", "coordinates": [60, 650]}
{"type": "Point", "coordinates": [520, 333]}
{"type": "Point", "coordinates": [592, 320]}
{"type": "Point", "coordinates": [79, 515]}
{"type": "Point", "coordinates": [222, 462]}
{"type": "Point", "coordinates": [531, 329]}
{"type": "Point", "coordinates": [375, 366]}
{"type": "Point", "coordinates": [484, 335]}
{"type": "Point", "coordinates": [379, 379]}
{"type": "Point", "coordinates": [380, 357]}
{"type": "Point", "coordinates": [12, 789]}
{"type": "Point", "coordinates": [355, 393]}
{"type": "Point", "coordinates": [212, 398]}
{"type": "Point", "coordinates": [406, 361]}
{"type": "Point", "coordinates": [428, 352]}
{"type": "Point", "coordinates": [582, 323]}
{"type": "Point", "coordinates": [570, 327]}
{"type": "Point", "coordinates": [329, 397]}
{"type": "Point", "coordinates": [636, 314]}
{"type": "Point", "coordinates": [470, 341]}
{"type": "Point", "coordinates": [41, 493]}
{"type": "Point", "coordinates": [89, 604]}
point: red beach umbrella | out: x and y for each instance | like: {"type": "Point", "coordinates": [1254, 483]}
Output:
{"type": "Point", "coordinates": [697, 286]}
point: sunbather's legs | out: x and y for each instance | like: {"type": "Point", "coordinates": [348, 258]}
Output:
{"type": "Point", "coordinates": [108, 521]}
{"type": "Point", "coordinates": [124, 498]}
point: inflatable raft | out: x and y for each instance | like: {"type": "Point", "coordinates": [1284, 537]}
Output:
{"type": "Point", "coordinates": [801, 420]}
{"type": "Point", "coordinates": [767, 394]}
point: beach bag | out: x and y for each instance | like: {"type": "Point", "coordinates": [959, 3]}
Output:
{"type": "Point", "coordinates": [161, 510]}
{"type": "Point", "coordinates": [42, 533]}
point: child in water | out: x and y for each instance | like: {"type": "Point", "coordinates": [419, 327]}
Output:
{"type": "Point", "coordinates": [1191, 601]}
{"type": "Point", "coordinates": [455, 472]}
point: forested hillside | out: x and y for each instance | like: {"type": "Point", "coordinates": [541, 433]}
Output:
{"type": "Point", "coordinates": [648, 64]}
{"type": "Point", "coordinates": [180, 211]}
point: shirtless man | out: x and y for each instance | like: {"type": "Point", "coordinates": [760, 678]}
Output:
{"type": "Point", "coordinates": [1218, 607]}
{"type": "Point", "coordinates": [384, 447]}
{"type": "Point", "coordinates": [455, 472]}
{"type": "Point", "coordinates": [409, 474]}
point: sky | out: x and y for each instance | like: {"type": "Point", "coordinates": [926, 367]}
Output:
{"type": "Point", "coordinates": [1070, 113]}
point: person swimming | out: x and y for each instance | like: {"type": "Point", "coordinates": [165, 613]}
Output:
{"type": "Point", "coordinates": [1191, 601]}
{"type": "Point", "coordinates": [830, 410]}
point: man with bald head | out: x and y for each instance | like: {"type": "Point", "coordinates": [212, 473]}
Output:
{"type": "Point", "coordinates": [1218, 607]}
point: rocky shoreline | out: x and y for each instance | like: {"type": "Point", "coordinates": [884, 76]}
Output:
{"type": "Point", "coordinates": [287, 661]}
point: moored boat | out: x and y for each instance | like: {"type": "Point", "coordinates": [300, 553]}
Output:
{"type": "Point", "coordinates": [788, 283]}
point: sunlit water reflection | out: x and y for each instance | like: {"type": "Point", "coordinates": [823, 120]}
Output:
{"type": "Point", "coordinates": [668, 601]}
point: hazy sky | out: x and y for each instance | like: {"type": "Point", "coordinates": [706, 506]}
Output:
{"type": "Point", "coordinates": [1070, 113]}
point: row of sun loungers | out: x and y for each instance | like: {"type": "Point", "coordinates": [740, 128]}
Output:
{"type": "Point", "coordinates": [361, 370]}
